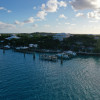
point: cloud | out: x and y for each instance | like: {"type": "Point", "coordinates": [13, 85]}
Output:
{"type": "Point", "coordinates": [73, 24]}
{"type": "Point", "coordinates": [70, 24]}
{"type": "Point", "coordinates": [67, 23]}
{"type": "Point", "coordinates": [52, 6]}
{"type": "Point", "coordinates": [85, 4]}
{"type": "Point", "coordinates": [94, 14]}
{"type": "Point", "coordinates": [30, 20]}
{"type": "Point", "coordinates": [62, 4]}
{"type": "Point", "coordinates": [6, 25]}
{"type": "Point", "coordinates": [43, 6]}
{"type": "Point", "coordinates": [3, 8]}
{"type": "Point", "coordinates": [47, 25]}
{"type": "Point", "coordinates": [62, 16]}
{"type": "Point", "coordinates": [41, 14]}
{"type": "Point", "coordinates": [93, 21]}
{"type": "Point", "coordinates": [79, 14]}
{"type": "Point", "coordinates": [19, 23]}
{"type": "Point", "coordinates": [35, 25]}
{"type": "Point", "coordinates": [9, 11]}
{"type": "Point", "coordinates": [59, 23]}
{"type": "Point", "coordinates": [34, 7]}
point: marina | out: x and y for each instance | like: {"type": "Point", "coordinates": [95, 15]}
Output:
{"type": "Point", "coordinates": [50, 50]}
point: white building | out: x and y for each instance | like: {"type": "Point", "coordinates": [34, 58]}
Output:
{"type": "Point", "coordinates": [13, 37]}
{"type": "Point", "coordinates": [61, 36]}
{"type": "Point", "coordinates": [96, 37]}
{"type": "Point", "coordinates": [33, 45]}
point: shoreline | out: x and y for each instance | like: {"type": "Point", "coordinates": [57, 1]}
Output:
{"type": "Point", "coordinates": [88, 54]}
{"type": "Point", "coordinates": [51, 51]}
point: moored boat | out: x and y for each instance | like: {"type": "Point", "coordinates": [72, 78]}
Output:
{"type": "Point", "coordinates": [62, 55]}
{"type": "Point", "coordinates": [7, 47]}
{"type": "Point", "coordinates": [48, 57]}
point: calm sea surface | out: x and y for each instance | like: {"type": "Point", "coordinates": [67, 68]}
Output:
{"type": "Point", "coordinates": [25, 78]}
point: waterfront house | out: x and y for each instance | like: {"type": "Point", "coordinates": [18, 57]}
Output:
{"type": "Point", "coordinates": [13, 37]}
{"type": "Point", "coordinates": [7, 47]}
{"type": "Point", "coordinates": [96, 37]}
{"type": "Point", "coordinates": [21, 48]}
{"type": "Point", "coordinates": [61, 36]}
{"type": "Point", "coordinates": [33, 45]}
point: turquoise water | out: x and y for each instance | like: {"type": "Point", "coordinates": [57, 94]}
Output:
{"type": "Point", "coordinates": [25, 78]}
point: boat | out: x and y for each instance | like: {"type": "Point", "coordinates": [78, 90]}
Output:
{"type": "Point", "coordinates": [70, 53]}
{"type": "Point", "coordinates": [62, 55]}
{"type": "Point", "coordinates": [7, 47]}
{"type": "Point", "coordinates": [48, 57]}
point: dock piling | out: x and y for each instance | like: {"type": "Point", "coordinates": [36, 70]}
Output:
{"type": "Point", "coordinates": [24, 55]}
{"type": "Point", "coordinates": [62, 59]}
{"type": "Point", "coordinates": [3, 51]}
{"type": "Point", "coordinates": [33, 55]}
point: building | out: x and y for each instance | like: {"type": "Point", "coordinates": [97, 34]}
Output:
{"type": "Point", "coordinates": [33, 45]}
{"type": "Point", "coordinates": [61, 36]}
{"type": "Point", "coordinates": [13, 37]}
{"type": "Point", "coordinates": [96, 37]}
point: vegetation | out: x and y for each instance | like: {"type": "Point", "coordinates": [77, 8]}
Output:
{"type": "Point", "coordinates": [85, 43]}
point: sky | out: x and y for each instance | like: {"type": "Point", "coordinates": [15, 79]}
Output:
{"type": "Point", "coordinates": [67, 16]}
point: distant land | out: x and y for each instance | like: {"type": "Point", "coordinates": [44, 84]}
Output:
{"type": "Point", "coordinates": [52, 41]}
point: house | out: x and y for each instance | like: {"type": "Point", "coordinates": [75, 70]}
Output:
{"type": "Point", "coordinates": [7, 47]}
{"type": "Point", "coordinates": [33, 45]}
{"type": "Point", "coordinates": [96, 37]}
{"type": "Point", "coordinates": [13, 37]}
{"type": "Point", "coordinates": [61, 36]}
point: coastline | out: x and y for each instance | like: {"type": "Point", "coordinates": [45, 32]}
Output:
{"type": "Point", "coordinates": [88, 54]}
{"type": "Point", "coordinates": [51, 51]}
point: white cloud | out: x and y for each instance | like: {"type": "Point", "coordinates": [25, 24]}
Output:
{"type": "Point", "coordinates": [79, 14]}
{"type": "Point", "coordinates": [62, 4]}
{"type": "Point", "coordinates": [6, 25]}
{"type": "Point", "coordinates": [43, 6]}
{"type": "Point", "coordinates": [62, 16]}
{"type": "Point", "coordinates": [19, 23]}
{"type": "Point", "coordinates": [94, 14]}
{"type": "Point", "coordinates": [35, 25]}
{"type": "Point", "coordinates": [70, 24]}
{"type": "Point", "coordinates": [30, 20]}
{"type": "Point", "coordinates": [52, 6]}
{"type": "Point", "coordinates": [34, 7]}
{"type": "Point", "coordinates": [46, 25]}
{"type": "Point", "coordinates": [3, 8]}
{"type": "Point", "coordinates": [73, 24]}
{"type": "Point", "coordinates": [67, 23]}
{"type": "Point", "coordinates": [9, 11]}
{"type": "Point", "coordinates": [57, 19]}
{"type": "Point", "coordinates": [59, 23]}
{"type": "Point", "coordinates": [93, 21]}
{"type": "Point", "coordinates": [85, 4]}
{"type": "Point", "coordinates": [41, 14]}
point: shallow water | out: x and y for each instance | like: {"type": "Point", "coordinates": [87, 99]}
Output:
{"type": "Point", "coordinates": [25, 78]}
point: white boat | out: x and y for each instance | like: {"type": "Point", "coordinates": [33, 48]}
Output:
{"type": "Point", "coordinates": [7, 47]}
{"type": "Point", "coordinates": [71, 53]}
{"type": "Point", "coordinates": [20, 48]}
{"type": "Point", "coordinates": [48, 57]}
{"type": "Point", "coordinates": [62, 55]}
